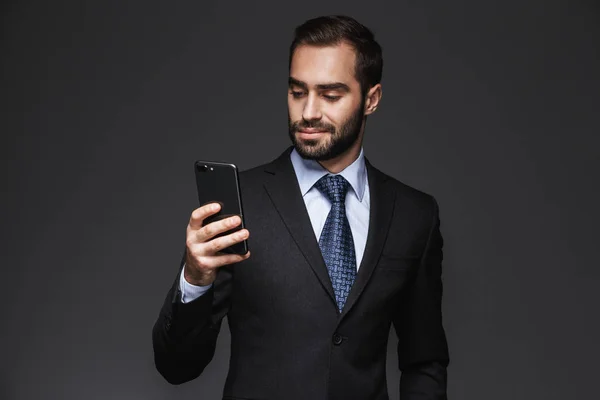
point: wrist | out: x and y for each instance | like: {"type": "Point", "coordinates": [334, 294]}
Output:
{"type": "Point", "coordinates": [197, 279]}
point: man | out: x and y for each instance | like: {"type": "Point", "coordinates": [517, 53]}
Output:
{"type": "Point", "coordinates": [340, 252]}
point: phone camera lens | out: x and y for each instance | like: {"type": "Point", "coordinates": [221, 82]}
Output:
{"type": "Point", "coordinates": [202, 168]}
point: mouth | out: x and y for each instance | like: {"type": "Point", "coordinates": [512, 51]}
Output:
{"type": "Point", "coordinates": [310, 134]}
{"type": "Point", "coordinates": [311, 131]}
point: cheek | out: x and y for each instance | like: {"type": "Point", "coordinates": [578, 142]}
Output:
{"type": "Point", "coordinates": [294, 110]}
{"type": "Point", "coordinates": [338, 114]}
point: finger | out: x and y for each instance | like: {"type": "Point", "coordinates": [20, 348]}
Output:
{"type": "Point", "coordinates": [215, 245]}
{"type": "Point", "coordinates": [209, 231]}
{"type": "Point", "coordinates": [224, 259]}
{"type": "Point", "coordinates": [199, 214]}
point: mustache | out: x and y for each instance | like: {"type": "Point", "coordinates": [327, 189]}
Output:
{"type": "Point", "coordinates": [299, 125]}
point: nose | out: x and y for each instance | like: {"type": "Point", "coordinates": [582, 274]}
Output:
{"type": "Point", "coordinates": [311, 109]}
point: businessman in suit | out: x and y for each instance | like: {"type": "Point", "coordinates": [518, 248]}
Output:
{"type": "Point", "coordinates": [340, 253]}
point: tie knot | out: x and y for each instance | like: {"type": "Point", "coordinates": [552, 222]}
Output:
{"type": "Point", "coordinates": [334, 187]}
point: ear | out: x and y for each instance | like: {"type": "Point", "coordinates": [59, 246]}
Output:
{"type": "Point", "coordinates": [373, 98]}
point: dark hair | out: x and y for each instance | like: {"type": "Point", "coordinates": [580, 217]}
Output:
{"type": "Point", "coordinates": [336, 29]}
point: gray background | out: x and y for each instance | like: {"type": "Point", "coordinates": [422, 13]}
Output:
{"type": "Point", "coordinates": [491, 106]}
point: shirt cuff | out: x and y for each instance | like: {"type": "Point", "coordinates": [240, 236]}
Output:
{"type": "Point", "coordinates": [190, 292]}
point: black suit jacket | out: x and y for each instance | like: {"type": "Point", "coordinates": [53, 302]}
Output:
{"type": "Point", "coordinates": [288, 339]}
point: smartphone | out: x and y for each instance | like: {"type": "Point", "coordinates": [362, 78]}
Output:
{"type": "Point", "coordinates": [219, 183]}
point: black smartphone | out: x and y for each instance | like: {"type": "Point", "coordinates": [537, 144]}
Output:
{"type": "Point", "coordinates": [219, 183]}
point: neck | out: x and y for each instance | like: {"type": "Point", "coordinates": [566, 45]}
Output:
{"type": "Point", "coordinates": [339, 163]}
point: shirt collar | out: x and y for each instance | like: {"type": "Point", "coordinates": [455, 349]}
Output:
{"type": "Point", "coordinates": [309, 172]}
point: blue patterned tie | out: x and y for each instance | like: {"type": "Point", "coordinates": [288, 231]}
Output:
{"type": "Point", "coordinates": [336, 241]}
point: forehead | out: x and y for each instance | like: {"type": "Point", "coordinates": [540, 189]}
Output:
{"type": "Point", "coordinates": [315, 64]}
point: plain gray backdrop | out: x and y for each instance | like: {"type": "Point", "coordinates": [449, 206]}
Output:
{"type": "Point", "coordinates": [490, 106]}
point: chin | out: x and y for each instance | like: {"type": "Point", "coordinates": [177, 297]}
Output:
{"type": "Point", "coordinates": [308, 147]}
{"type": "Point", "coordinates": [315, 153]}
{"type": "Point", "coordinates": [308, 143]}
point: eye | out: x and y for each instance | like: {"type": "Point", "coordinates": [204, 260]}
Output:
{"type": "Point", "coordinates": [331, 98]}
{"type": "Point", "coordinates": [296, 94]}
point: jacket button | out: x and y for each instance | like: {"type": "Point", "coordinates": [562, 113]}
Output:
{"type": "Point", "coordinates": [337, 339]}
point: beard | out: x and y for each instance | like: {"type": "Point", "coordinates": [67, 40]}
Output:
{"type": "Point", "coordinates": [337, 141]}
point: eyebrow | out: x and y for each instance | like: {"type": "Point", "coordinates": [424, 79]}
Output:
{"type": "Point", "coordinates": [321, 86]}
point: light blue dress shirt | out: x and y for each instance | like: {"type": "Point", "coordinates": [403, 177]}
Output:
{"type": "Point", "coordinates": [308, 172]}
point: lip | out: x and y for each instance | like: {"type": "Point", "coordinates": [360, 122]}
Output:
{"type": "Point", "coordinates": [311, 131]}
{"type": "Point", "coordinates": [310, 135]}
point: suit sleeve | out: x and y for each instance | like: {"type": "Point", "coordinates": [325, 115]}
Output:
{"type": "Point", "coordinates": [422, 347]}
{"type": "Point", "coordinates": [184, 335]}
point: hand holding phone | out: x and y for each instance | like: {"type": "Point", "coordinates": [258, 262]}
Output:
{"type": "Point", "coordinates": [205, 242]}
{"type": "Point", "coordinates": [219, 183]}
{"type": "Point", "coordinates": [216, 234]}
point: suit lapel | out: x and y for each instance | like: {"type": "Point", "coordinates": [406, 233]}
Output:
{"type": "Point", "coordinates": [284, 191]}
{"type": "Point", "coordinates": [380, 217]}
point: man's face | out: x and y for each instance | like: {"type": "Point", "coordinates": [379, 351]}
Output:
{"type": "Point", "coordinates": [325, 104]}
